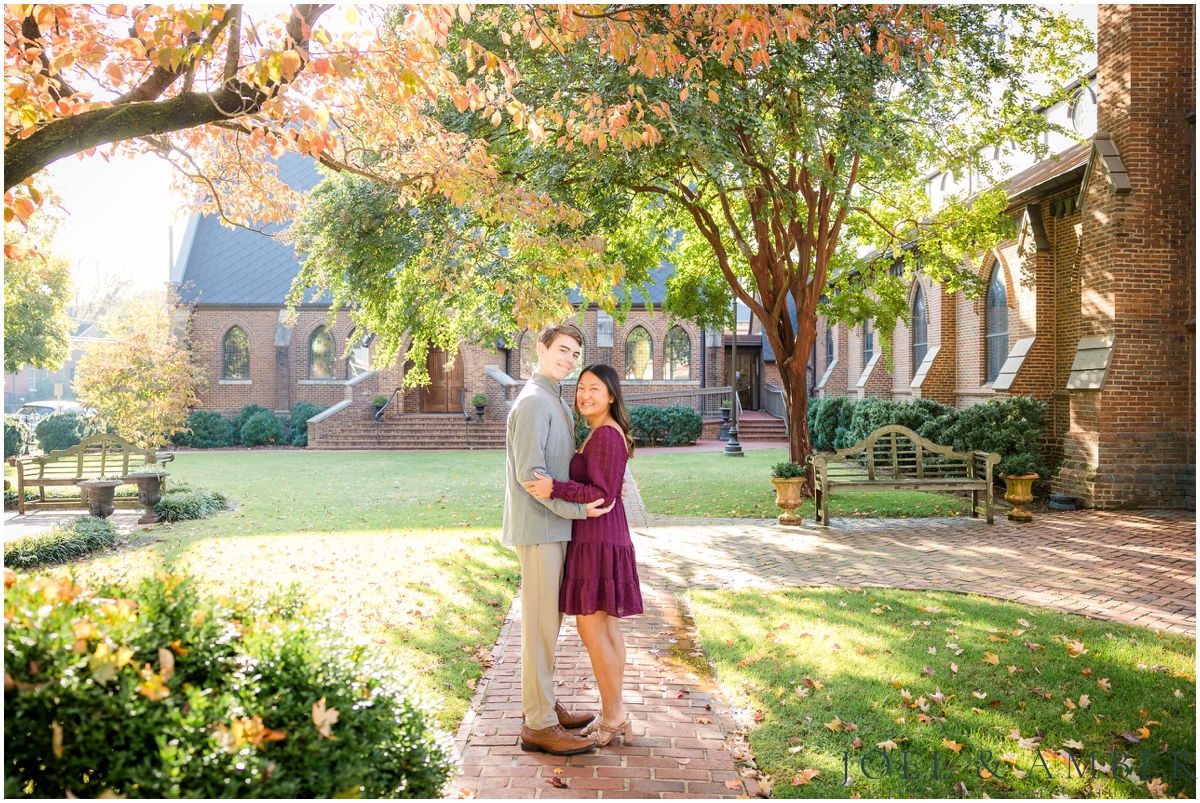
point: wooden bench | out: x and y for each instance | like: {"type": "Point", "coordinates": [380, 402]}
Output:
{"type": "Point", "coordinates": [896, 458]}
{"type": "Point", "coordinates": [93, 457]}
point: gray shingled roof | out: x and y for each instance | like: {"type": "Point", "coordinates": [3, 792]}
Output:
{"type": "Point", "coordinates": [221, 265]}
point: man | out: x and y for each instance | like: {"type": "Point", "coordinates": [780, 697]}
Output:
{"type": "Point", "coordinates": [541, 439]}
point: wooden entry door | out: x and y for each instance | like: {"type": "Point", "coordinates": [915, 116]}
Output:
{"type": "Point", "coordinates": [443, 394]}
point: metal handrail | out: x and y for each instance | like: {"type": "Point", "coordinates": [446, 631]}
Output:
{"type": "Point", "coordinates": [775, 400]}
{"type": "Point", "coordinates": [703, 400]}
{"type": "Point", "coordinates": [379, 413]}
{"type": "Point", "coordinates": [462, 400]}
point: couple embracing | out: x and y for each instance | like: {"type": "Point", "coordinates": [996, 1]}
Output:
{"type": "Point", "coordinates": [564, 516]}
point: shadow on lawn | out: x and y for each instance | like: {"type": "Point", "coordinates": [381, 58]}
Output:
{"type": "Point", "coordinates": [806, 666]}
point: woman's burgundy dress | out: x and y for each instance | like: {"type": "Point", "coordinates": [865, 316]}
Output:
{"type": "Point", "coordinates": [601, 569]}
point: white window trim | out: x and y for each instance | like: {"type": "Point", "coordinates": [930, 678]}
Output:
{"type": "Point", "coordinates": [235, 382]}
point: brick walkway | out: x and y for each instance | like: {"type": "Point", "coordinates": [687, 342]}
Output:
{"type": "Point", "coordinates": [1133, 567]}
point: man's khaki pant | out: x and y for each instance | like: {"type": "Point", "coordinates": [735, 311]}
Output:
{"type": "Point", "coordinates": [541, 576]}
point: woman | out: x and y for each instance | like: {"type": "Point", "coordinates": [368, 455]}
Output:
{"type": "Point", "coordinates": [600, 581]}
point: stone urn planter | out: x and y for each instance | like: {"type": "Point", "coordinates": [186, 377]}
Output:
{"type": "Point", "coordinates": [479, 401]}
{"type": "Point", "coordinates": [149, 485]}
{"type": "Point", "coordinates": [98, 495]}
{"type": "Point", "coordinates": [1019, 492]}
{"type": "Point", "coordinates": [789, 496]}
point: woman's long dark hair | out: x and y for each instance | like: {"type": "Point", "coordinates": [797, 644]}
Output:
{"type": "Point", "coordinates": [608, 376]}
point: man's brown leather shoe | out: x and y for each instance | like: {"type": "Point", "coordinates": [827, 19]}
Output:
{"type": "Point", "coordinates": [555, 741]}
{"type": "Point", "coordinates": [572, 721]}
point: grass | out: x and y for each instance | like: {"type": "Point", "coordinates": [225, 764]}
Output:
{"type": "Point", "coordinates": [712, 485]}
{"type": "Point", "coordinates": [850, 675]}
{"type": "Point", "coordinates": [62, 542]}
{"type": "Point", "coordinates": [404, 546]}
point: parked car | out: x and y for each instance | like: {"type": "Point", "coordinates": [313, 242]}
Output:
{"type": "Point", "coordinates": [34, 411]}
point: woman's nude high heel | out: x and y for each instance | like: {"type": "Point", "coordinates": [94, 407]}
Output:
{"type": "Point", "coordinates": [604, 733]}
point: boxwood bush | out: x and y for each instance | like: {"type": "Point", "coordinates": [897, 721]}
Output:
{"type": "Point", "coordinates": [248, 412]}
{"type": "Point", "coordinates": [17, 436]}
{"type": "Point", "coordinates": [665, 426]}
{"type": "Point", "coordinates": [62, 430]}
{"type": "Point", "coordinates": [62, 542]}
{"type": "Point", "coordinates": [262, 427]}
{"type": "Point", "coordinates": [153, 691]}
{"type": "Point", "coordinates": [298, 423]}
{"type": "Point", "coordinates": [208, 430]}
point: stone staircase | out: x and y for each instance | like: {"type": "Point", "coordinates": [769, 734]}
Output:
{"type": "Point", "coordinates": [409, 433]}
{"type": "Point", "coordinates": [759, 426]}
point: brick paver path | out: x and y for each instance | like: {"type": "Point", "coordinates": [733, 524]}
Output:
{"type": "Point", "coordinates": [1135, 567]}
{"type": "Point", "coordinates": [1132, 567]}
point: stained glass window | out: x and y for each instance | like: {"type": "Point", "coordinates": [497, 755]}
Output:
{"type": "Point", "coordinates": [237, 354]}
{"type": "Point", "coordinates": [321, 355]}
{"type": "Point", "coordinates": [677, 354]}
{"type": "Point", "coordinates": [639, 355]}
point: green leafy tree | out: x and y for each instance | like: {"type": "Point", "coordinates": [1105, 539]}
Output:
{"type": "Point", "coordinates": [37, 290]}
{"type": "Point", "coordinates": [768, 144]}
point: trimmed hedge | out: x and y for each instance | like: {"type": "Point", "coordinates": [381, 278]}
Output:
{"type": "Point", "coordinates": [182, 502]}
{"type": "Point", "coordinates": [208, 431]}
{"type": "Point", "coordinates": [17, 436]}
{"type": "Point", "coordinates": [262, 427]}
{"type": "Point", "coordinates": [245, 415]}
{"type": "Point", "coordinates": [1009, 427]}
{"type": "Point", "coordinates": [153, 691]}
{"type": "Point", "coordinates": [665, 426]}
{"type": "Point", "coordinates": [62, 542]}
{"type": "Point", "coordinates": [298, 423]}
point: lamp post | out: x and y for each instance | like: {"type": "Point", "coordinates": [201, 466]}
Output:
{"type": "Point", "coordinates": [732, 447]}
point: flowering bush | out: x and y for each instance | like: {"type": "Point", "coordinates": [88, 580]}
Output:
{"type": "Point", "coordinates": [155, 692]}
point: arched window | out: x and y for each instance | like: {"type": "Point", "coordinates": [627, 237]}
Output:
{"type": "Point", "coordinates": [528, 353]}
{"type": "Point", "coordinates": [868, 342]}
{"type": "Point", "coordinates": [677, 354]}
{"type": "Point", "coordinates": [236, 348]}
{"type": "Point", "coordinates": [920, 330]}
{"type": "Point", "coordinates": [358, 361]}
{"type": "Point", "coordinates": [995, 322]}
{"type": "Point", "coordinates": [639, 355]}
{"type": "Point", "coordinates": [321, 355]}
{"type": "Point", "coordinates": [829, 345]}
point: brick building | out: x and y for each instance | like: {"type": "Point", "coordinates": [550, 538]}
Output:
{"type": "Point", "coordinates": [232, 285]}
{"type": "Point", "coordinates": [37, 384]}
{"type": "Point", "coordinates": [1092, 307]}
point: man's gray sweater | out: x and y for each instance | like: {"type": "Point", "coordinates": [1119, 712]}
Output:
{"type": "Point", "coordinates": [541, 438]}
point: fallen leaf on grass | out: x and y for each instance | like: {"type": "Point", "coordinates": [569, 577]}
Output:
{"type": "Point", "coordinates": [1132, 738]}
{"type": "Point", "coordinates": [991, 658]}
{"type": "Point", "coordinates": [805, 776]}
{"type": "Point", "coordinates": [796, 749]}
{"type": "Point", "coordinates": [888, 746]}
{"type": "Point", "coordinates": [979, 694]}
{"type": "Point", "coordinates": [960, 789]}
{"type": "Point", "coordinates": [835, 725]}
{"type": "Point", "coordinates": [1084, 701]}
{"type": "Point", "coordinates": [954, 667]}
{"type": "Point", "coordinates": [1157, 788]}
{"type": "Point", "coordinates": [1073, 745]}
{"type": "Point", "coordinates": [1104, 684]}
{"type": "Point", "coordinates": [952, 745]}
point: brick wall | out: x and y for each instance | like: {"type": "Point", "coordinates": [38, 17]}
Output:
{"type": "Point", "coordinates": [1133, 441]}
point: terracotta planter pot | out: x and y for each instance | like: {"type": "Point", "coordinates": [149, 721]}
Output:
{"type": "Point", "coordinates": [1019, 492]}
{"type": "Point", "coordinates": [149, 493]}
{"type": "Point", "coordinates": [789, 496]}
{"type": "Point", "coordinates": [98, 494]}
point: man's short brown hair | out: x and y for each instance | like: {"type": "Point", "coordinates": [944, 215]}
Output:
{"type": "Point", "coordinates": [551, 333]}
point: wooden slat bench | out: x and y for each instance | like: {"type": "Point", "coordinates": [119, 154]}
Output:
{"type": "Point", "coordinates": [93, 457]}
{"type": "Point", "coordinates": [896, 458]}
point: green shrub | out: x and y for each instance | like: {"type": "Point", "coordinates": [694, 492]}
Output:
{"type": "Point", "coordinates": [1021, 464]}
{"type": "Point", "coordinates": [209, 430]}
{"type": "Point", "coordinates": [379, 401]}
{"type": "Point", "coordinates": [17, 436]}
{"type": "Point", "coordinates": [665, 426]}
{"type": "Point", "coordinates": [1009, 427]}
{"type": "Point", "coordinates": [479, 399]}
{"type": "Point", "coordinates": [73, 539]}
{"type": "Point", "coordinates": [153, 691]}
{"type": "Point", "coordinates": [62, 430]}
{"type": "Point", "coordinates": [298, 423]}
{"type": "Point", "coordinates": [683, 425]}
{"type": "Point", "coordinates": [788, 469]}
{"type": "Point", "coordinates": [245, 415]}
{"type": "Point", "coordinates": [10, 498]}
{"type": "Point", "coordinates": [182, 502]}
{"type": "Point", "coordinates": [649, 424]}
{"type": "Point", "coordinates": [830, 414]}
{"type": "Point", "coordinates": [263, 427]}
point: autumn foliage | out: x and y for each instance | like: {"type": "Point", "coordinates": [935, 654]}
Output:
{"type": "Point", "coordinates": [151, 690]}
{"type": "Point", "coordinates": [142, 387]}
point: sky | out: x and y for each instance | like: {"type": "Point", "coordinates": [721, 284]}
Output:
{"type": "Point", "coordinates": [121, 213]}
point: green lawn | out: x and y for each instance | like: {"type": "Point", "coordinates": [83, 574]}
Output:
{"type": "Point", "coordinates": [404, 545]}
{"type": "Point", "coordinates": [836, 677]}
{"type": "Point", "coordinates": [710, 484]}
